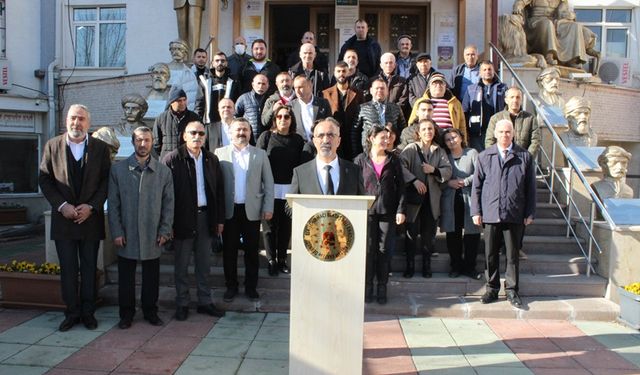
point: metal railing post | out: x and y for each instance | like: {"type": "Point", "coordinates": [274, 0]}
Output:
{"type": "Point", "coordinates": [569, 199]}
{"type": "Point", "coordinates": [592, 215]}
{"type": "Point", "coordinates": [553, 171]}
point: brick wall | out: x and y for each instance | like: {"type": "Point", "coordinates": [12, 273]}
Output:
{"type": "Point", "coordinates": [102, 97]}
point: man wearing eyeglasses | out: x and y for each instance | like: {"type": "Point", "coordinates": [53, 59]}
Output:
{"type": "Point", "coordinates": [327, 173]}
{"type": "Point", "coordinates": [198, 216]}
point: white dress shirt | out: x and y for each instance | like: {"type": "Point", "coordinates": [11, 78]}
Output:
{"type": "Point", "coordinates": [322, 175]}
{"type": "Point", "coordinates": [77, 149]}
{"type": "Point", "coordinates": [306, 113]}
{"type": "Point", "coordinates": [240, 167]}
{"type": "Point", "coordinates": [501, 151]}
{"type": "Point", "coordinates": [224, 131]}
{"type": "Point", "coordinates": [202, 194]}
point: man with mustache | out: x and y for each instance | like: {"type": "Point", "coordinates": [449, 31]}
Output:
{"type": "Point", "coordinates": [327, 174]}
{"type": "Point", "coordinates": [249, 195]}
{"type": "Point", "coordinates": [74, 175]}
{"type": "Point", "coordinates": [199, 215]}
{"type": "Point", "coordinates": [283, 96]}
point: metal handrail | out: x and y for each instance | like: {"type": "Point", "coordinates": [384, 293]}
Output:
{"type": "Point", "coordinates": [558, 144]}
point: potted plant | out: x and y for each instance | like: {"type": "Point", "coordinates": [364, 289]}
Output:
{"type": "Point", "coordinates": [26, 284]}
{"type": "Point", "coordinates": [12, 213]}
{"type": "Point", "coordinates": [630, 305]}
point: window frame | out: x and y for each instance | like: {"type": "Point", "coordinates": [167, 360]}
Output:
{"type": "Point", "coordinates": [39, 147]}
{"type": "Point", "coordinates": [606, 26]}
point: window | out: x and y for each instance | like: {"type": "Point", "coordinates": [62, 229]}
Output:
{"type": "Point", "coordinates": [612, 28]}
{"type": "Point", "coordinates": [99, 36]}
{"type": "Point", "coordinates": [18, 165]}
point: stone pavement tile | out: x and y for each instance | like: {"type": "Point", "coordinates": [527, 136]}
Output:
{"type": "Point", "coordinates": [450, 371]}
{"type": "Point", "coordinates": [73, 338]}
{"type": "Point", "coordinates": [426, 332]}
{"type": "Point", "coordinates": [246, 332]}
{"type": "Point", "coordinates": [503, 360]}
{"type": "Point", "coordinates": [561, 371]}
{"type": "Point", "coordinates": [229, 348]}
{"type": "Point", "coordinates": [67, 371]}
{"type": "Point", "coordinates": [48, 320]}
{"type": "Point", "coordinates": [187, 328]}
{"type": "Point", "coordinates": [90, 359]}
{"type": "Point", "coordinates": [252, 366]}
{"type": "Point", "coordinates": [603, 359]}
{"type": "Point", "coordinates": [105, 323]}
{"type": "Point", "coordinates": [622, 340]}
{"type": "Point", "coordinates": [152, 363]}
{"type": "Point", "coordinates": [7, 350]}
{"type": "Point", "coordinates": [276, 319]}
{"type": "Point", "coordinates": [426, 358]}
{"type": "Point", "coordinates": [11, 318]}
{"type": "Point", "coordinates": [268, 350]}
{"type": "Point", "coordinates": [493, 370]}
{"type": "Point", "coordinates": [385, 348]}
{"type": "Point", "coordinates": [512, 328]}
{"type": "Point", "coordinates": [197, 365]}
{"type": "Point", "coordinates": [170, 344]}
{"type": "Point", "coordinates": [111, 311]}
{"type": "Point", "coordinates": [22, 370]}
{"type": "Point", "coordinates": [273, 333]}
{"type": "Point", "coordinates": [40, 355]}
{"type": "Point", "coordinates": [131, 338]}
{"type": "Point", "coordinates": [559, 361]}
{"type": "Point", "coordinates": [24, 335]}
{"type": "Point", "coordinates": [236, 318]}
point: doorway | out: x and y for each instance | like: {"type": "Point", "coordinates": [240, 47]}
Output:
{"type": "Point", "coordinates": [287, 24]}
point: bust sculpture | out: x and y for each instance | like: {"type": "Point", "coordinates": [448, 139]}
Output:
{"type": "Point", "coordinates": [552, 31]}
{"type": "Point", "coordinates": [547, 82]}
{"type": "Point", "coordinates": [577, 111]}
{"type": "Point", "coordinates": [181, 74]}
{"type": "Point", "coordinates": [160, 75]}
{"type": "Point", "coordinates": [134, 107]}
{"type": "Point", "coordinates": [108, 136]}
{"type": "Point", "coordinates": [614, 162]}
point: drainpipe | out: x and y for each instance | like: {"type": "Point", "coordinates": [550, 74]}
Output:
{"type": "Point", "coordinates": [51, 97]}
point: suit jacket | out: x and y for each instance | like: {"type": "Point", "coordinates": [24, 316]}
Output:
{"type": "Point", "coordinates": [346, 117]}
{"type": "Point", "coordinates": [259, 185]}
{"type": "Point", "coordinates": [214, 136]}
{"type": "Point", "coordinates": [57, 186]}
{"type": "Point", "coordinates": [321, 110]}
{"type": "Point", "coordinates": [305, 179]}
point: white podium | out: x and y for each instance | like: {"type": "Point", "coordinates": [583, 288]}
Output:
{"type": "Point", "coordinates": [328, 242]}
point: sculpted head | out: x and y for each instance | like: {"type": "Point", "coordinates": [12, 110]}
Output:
{"type": "Point", "coordinates": [108, 136]}
{"type": "Point", "coordinates": [160, 74]}
{"type": "Point", "coordinates": [179, 50]}
{"type": "Point", "coordinates": [548, 80]}
{"type": "Point", "coordinates": [134, 107]}
{"type": "Point", "coordinates": [578, 112]}
{"type": "Point", "coordinates": [614, 162]}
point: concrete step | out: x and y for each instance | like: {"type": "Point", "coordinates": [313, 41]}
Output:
{"type": "Point", "coordinates": [548, 210]}
{"type": "Point", "coordinates": [547, 227]}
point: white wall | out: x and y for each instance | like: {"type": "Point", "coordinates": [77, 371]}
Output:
{"type": "Point", "coordinates": [23, 45]}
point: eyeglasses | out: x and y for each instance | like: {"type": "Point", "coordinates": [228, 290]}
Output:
{"type": "Point", "coordinates": [285, 116]}
{"type": "Point", "coordinates": [193, 133]}
{"type": "Point", "coordinates": [330, 136]}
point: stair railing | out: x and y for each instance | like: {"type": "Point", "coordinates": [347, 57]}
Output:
{"type": "Point", "coordinates": [554, 178]}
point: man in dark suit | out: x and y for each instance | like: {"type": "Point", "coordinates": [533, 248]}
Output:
{"type": "Point", "coordinates": [327, 173]}
{"type": "Point", "coordinates": [345, 105]}
{"type": "Point", "coordinates": [218, 132]}
{"type": "Point", "coordinates": [307, 107]}
{"type": "Point", "coordinates": [74, 175]}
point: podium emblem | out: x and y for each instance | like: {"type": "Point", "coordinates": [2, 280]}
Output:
{"type": "Point", "coordinates": [328, 235]}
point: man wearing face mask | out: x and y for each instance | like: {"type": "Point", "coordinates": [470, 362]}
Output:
{"type": "Point", "coordinates": [239, 57]}
{"type": "Point", "coordinates": [219, 84]}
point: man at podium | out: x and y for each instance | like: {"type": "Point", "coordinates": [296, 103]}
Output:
{"type": "Point", "coordinates": [327, 173]}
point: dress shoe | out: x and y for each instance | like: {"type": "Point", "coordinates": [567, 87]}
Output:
{"type": "Point", "coordinates": [182, 312]}
{"type": "Point", "coordinates": [68, 323]}
{"type": "Point", "coordinates": [410, 270]}
{"type": "Point", "coordinates": [230, 294]}
{"type": "Point", "coordinates": [124, 323]}
{"type": "Point", "coordinates": [489, 296]}
{"type": "Point", "coordinates": [154, 320]}
{"type": "Point", "coordinates": [273, 268]}
{"type": "Point", "coordinates": [210, 309]}
{"type": "Point", "coordinates": [474, 275]}
{"type": "Point", "coordinates": [454, 274]}
{"type": "Point", "coordinates": [252, 294]}
{"type": "Point", "coordinates": [284, 268]}
{"type": "Point", "coordinates": [514, 299]}
{"type": "Point", "coordinates": [90, 322]}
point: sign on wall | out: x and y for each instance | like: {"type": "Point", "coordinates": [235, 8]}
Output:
{"type": "Point", "coordinates": [21, 122]}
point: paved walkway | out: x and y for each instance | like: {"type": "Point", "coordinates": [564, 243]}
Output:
{"type": "Point", "coordinates": [257, 343]}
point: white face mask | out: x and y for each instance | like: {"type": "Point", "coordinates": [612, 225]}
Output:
{"type": "Point", "coordinates": [240, 49]}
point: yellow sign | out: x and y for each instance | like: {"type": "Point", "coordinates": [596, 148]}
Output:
{"type": "Point", "coordinates": [328, 235]}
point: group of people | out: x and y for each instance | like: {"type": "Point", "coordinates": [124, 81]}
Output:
{"type": "Point", "coordinates": [224, 170]}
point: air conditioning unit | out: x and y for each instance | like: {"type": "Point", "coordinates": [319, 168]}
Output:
{"type": "Point", "coordinates": [5, 78]}
{"type": "Point", "coordinates": [616, 71]}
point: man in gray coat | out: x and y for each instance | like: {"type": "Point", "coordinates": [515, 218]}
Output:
{"type": "Point", "coordinates": [503, 198]}
{"type": "Point", "coordinates": [140, 220]}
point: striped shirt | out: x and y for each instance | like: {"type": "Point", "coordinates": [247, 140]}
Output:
{"type": "Point", "coordinates": [441, 115]}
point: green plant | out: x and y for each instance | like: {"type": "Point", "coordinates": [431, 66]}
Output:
{"type": "Point", "coordinates": [31, 267]}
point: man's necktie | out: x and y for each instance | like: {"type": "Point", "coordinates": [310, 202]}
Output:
{"type": "Point", "coordinates": [330, 190]}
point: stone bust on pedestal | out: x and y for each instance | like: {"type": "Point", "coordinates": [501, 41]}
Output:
{"type": "Point", "coordinates": [577, 111]}
{"type": "Point", "coordinates": [614, 162]}
{"type": "Point", "coordinates": [134, 107]}
{"type": "Point", "coordinates": [547, 81]}
{"type": "Point", "coordinates": [181, 74]}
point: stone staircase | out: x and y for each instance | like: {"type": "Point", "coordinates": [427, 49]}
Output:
{"type": "Point", "coordinates": [553, 281]}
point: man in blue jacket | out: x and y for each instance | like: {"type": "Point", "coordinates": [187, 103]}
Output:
{"type": "Point", "coordinates": [503, 198]}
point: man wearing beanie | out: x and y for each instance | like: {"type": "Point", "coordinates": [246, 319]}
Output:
{"type": "Point", "coordinates": [170, 124]}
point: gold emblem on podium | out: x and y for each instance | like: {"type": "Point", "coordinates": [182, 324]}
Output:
{"type": "Point", "coordinates": [328, 235]}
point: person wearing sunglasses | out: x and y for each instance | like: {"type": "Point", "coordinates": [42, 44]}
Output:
{"type": "Point", "coordinates": [198, 216]}
{"type": "Point", "coordinates": [284, 149]}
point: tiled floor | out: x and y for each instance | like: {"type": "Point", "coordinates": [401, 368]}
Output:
{"type": "Point", "coordinates": [257, 343]}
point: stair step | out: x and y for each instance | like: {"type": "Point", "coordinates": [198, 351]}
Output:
{"type": "Point", "coordinates": [547, 226]}
{"type": "Point", "coordinates": [548, 210]}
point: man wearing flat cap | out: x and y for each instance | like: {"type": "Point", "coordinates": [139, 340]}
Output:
{"type": "Point", "coordinates": [417, 83]}
{"type": "Point", "coordinates": [170, 124]}
{"type": "Point", "coordinates": [405, 59]}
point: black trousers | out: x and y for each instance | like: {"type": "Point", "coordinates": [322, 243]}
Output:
{"type": "Point", "coordinates": [381, 230]}
{"type": "Point", "coordinates": [127, 286]}
{"type": "Point", "coordinates": [235, 227]}
{"type": "Point", "coordinates": [494, 234]}
{"type": "Point", "coordinates": [78, 256]}
{"type": "Point", "coordinates": [276, 232]}
{"type": "Point", "coordinates": [463, 250]}
{"type": "Point", "coordinates": [425, 226]}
